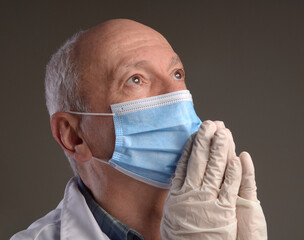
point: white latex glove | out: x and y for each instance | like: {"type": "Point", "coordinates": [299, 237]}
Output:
{"type": "Point", "coordinates": [251, 223]}
{"type": "Point", "coordinates": [251, 220]}
{"type": "Point", "coordinates": [201, 203]}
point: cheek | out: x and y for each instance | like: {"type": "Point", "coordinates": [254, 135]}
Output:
{"type": "Point", "coordinates": [109, 138]}
{"type": "Point", "coordinates": [130, 93]}
{"type": "Point", "coordinates": [106, 138]}
{"type": "Point", "coordinates": [101, 138]}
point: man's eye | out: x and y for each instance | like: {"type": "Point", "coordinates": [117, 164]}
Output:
{"type": "Point", "coordinates": [134, 80]}
{"type": "Point", "coordinates": [179, 74]}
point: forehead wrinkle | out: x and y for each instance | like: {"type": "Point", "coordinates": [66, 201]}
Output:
{"type": "Point", "coordinates": [129, 62]}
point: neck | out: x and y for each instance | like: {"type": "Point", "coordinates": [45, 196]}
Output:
{"type": "Point", "coordinates": [134, 203]}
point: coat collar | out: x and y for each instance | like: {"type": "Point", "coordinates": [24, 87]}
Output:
{"type": "Point", "coordinates": [77, 221]}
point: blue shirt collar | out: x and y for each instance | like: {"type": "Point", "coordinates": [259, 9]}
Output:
{"type": "Point", "coordinates": [112, 227]}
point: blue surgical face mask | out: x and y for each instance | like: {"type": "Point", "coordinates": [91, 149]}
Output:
{"type": "Point", "coordinates": [150, 135]}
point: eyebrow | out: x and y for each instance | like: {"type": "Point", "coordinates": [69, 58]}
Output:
{"type": "Point", "coordinates": [139, 64]}
{"type": "Point", "coordinates": [174, 61]}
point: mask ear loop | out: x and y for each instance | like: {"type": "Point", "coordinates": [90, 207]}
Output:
{"type": "Point", "coordinates": [91, 114]}
{"type": "Point", "coordinates": [101, 160]}
{"type": "Point", "coordinates": [94, 114]}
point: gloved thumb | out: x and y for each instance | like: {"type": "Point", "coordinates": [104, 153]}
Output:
{"type": "Point", "coordinates": [248, 185]}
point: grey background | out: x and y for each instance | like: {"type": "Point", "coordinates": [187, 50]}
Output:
{"type": "Point", "coordinates": [244, 64]}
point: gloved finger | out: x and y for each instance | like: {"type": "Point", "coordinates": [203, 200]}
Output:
{"type": "Point", "coordinates": [199, 155]}
{"type": "Point", "coordinates": [230, 187]}
{"type": "Point", "coordinates": [231, 149]}
{"type": "Point", "coordinates": [248, 185]}
{"type": "Point", "coordinates": [216, 165]}
{"type": "Point", "coordinates": [181, 169]}
{"type": "Point", "coordinates": [219, 124]}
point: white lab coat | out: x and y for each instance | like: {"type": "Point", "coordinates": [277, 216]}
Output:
{"type": "Point", "coordinates": [71, 220]}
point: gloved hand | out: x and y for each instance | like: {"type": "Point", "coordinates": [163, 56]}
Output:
{"type": "Point", "coordinates": [251, 220]}
{"type": "Point", "coordinates": [201, 203]}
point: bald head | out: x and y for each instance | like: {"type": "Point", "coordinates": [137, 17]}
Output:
{"type": "Point", "coordinates": [111, 38]}
{"type": "Point", "coordinates": [116, 33]}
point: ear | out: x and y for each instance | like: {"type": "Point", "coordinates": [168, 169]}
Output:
{"type": "Point", "coordinates": [66, 131]}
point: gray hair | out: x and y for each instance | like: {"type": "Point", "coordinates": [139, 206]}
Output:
{"type": "Point", "coordinates": [62, 83]}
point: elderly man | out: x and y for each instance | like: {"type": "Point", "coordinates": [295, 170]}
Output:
{"type": "Point", "coordinates": [121, 112]}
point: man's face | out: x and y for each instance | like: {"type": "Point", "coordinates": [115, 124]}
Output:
{"type": "Point", "coordinates": [124, 61]}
